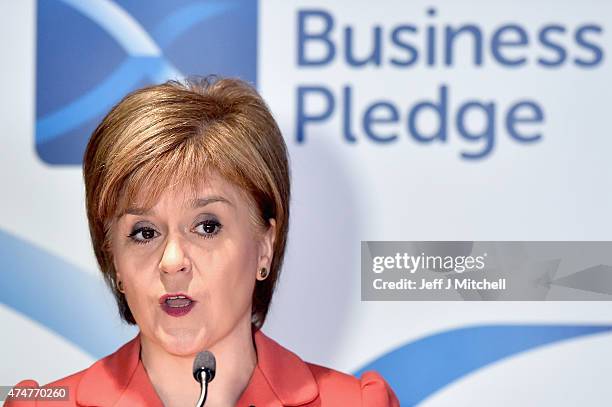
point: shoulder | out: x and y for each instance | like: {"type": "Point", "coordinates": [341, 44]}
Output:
{"type": "Point", "coordinates": [296, 382]}
{"type": "Point", "coordinates": [337, 388]}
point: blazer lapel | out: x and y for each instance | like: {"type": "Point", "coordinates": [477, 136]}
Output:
{"type": "Point", "coordinates": [280, 378]}
{"type": "Point", "coordinates": [118, 380]}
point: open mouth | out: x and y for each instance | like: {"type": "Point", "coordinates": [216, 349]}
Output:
{"type": "Point", "coordinates": [178, 301]}
{"type": "Point", "coordinates": [176, 304]}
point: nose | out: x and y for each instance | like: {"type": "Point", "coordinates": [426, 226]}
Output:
{"type": "Point", "coordinates": [174, 258]}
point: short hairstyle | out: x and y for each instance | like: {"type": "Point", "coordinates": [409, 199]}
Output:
{"type": "Point", "coordinates": [174, 134]}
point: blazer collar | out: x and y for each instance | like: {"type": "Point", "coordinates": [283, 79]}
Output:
{"type": "Point", "coordinates": [286, 375]}
{"type": "Point", "coordinates": [120, 379]}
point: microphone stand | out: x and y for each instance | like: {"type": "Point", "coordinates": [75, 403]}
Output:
{"type": "Point", "coordinates": [203, 389]}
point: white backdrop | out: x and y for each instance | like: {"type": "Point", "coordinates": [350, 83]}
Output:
{"type": "Point", "coordinates": [556, 189]}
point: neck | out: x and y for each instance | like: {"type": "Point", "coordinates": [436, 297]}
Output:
{"type": "Point", "coordinates": [172, 378]}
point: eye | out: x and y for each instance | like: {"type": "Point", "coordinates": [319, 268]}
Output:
{"type": "Point", "coordinates": [143, 235]}
{"type": "Point", "coordinates": [208, 228]}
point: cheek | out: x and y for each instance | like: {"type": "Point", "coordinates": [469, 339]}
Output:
{"type": "Point", "coordinates": [231, 281]}
{"type": "Point", "coordinates": [134, 267]}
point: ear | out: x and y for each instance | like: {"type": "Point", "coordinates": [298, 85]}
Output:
{"type": "Point", "coordinates": [266, 246]}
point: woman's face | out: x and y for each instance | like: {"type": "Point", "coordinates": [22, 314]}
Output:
{"type": "Point", "coordinates": [207, 248]}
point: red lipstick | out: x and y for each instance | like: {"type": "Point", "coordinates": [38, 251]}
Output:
{"type": "Point", "coordinates": [177, 304]}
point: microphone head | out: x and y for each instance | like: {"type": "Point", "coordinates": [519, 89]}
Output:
{"type": "Point", "coordinates": [204, 361]}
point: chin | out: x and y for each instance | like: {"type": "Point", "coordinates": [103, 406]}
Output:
{"type": "Point", "coordinates": [182, 341]}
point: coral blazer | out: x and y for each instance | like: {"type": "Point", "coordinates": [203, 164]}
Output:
{"type": "Point", "coordinates": [280, 378]}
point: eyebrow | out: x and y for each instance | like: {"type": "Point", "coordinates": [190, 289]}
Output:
{"type": "Point", "coordinates": [195, 203]}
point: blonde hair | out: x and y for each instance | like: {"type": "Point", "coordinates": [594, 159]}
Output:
{"type": "Point", "coordinates": [175, 134]}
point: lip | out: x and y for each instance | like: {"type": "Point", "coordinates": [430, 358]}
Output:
{"type": "Point", "coordinates": [164, 297]}
{"type": "Point", "coordinates": [176, 311]}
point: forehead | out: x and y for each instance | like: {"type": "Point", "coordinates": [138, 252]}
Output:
{"type": "Point", "coordinates": [211, 189]}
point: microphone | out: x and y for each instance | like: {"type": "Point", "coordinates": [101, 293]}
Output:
{"type": "Point", "coordinates": [204, 365]}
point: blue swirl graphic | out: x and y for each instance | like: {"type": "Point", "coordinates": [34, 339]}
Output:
{"type": "Point", "coordinates": [145, 59]}
{"type": "Point", "coordinates": [99, 99]}
{"type": "Point", "coordinates": [70, 302]}
{"type": "Point", "coordinates": [418, 369]}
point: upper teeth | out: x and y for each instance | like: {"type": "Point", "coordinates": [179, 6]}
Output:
{"type": "Point", "coordinates": [176, 297]}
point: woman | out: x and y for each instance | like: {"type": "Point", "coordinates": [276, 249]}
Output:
{"type": "Point", "coordinates": [187, 195]}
